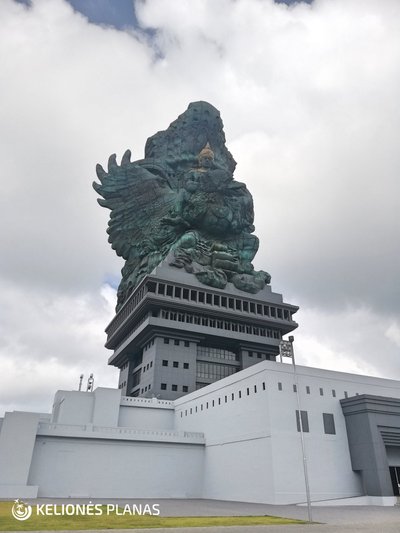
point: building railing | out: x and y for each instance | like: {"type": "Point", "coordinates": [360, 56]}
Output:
{"type": "Point", "coordinates": [49, 427]}
{"type": "Point", "coordinates": [149, 402]}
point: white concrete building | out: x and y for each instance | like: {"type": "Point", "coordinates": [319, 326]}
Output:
{"type": "Point", "coordinates": [236, 439]}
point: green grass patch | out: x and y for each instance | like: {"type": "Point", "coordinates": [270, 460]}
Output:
{"type": "Point", "coordinates": [127, 521]}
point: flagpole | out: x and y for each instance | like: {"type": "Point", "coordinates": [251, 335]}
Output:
{"type": "Point", "coordinates": [303, 446]}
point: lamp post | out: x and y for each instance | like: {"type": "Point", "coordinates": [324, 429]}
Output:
{"type": "Point", "coordinates": [303, 447]}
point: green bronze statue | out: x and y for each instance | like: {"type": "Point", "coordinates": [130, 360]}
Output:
{"type": "Point", "coordinates": [182, 204]}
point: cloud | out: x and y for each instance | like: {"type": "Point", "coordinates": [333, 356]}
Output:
{"type": "Point", "coordinates": [308, 95]}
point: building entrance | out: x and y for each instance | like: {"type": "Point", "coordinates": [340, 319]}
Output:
{"type": "Point", "coordinates": [395, 477]}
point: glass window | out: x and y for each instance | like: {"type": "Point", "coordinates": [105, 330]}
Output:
{"type": "Point", "coordinates": [165, 362]}
{"type": "Point", "coordinates": [174, 387]}
{"type": "Point", "coordinates": [329, 424]}
{"type": "Point", "coordinates": [185, 366]}
{"type": "Point", "coordinates": [185, 388]}
{"type": "Point", "coordinates": [175, 364]}
{"type": "Point", "coordinates": [334, 393]}
{"type": "Point", "coordinates": [304, 421]}
{"type": "Point", "coordinates": [279, 386]}
{"type": "Point", "coordinates": [163, 386]}
{"type": "Point", "coordinates": [321, 391]}
{"type": "Point", "coordinates": [166, 341]}
{"type": "Point", "coordinates": [307, 389]}
{"type": "Point", "coordinates": [187, 344]}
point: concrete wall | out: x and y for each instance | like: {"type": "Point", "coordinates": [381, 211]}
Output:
{"type": "Point", "coordinates": [70, 467]}
{"type": "Point", "coordinates": [100, 444]}
{"type": "Point", "coordinates": [17, 439]}
{"type": "Point", "coordinates": [259, 431]}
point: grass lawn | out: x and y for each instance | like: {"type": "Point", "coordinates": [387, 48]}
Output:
{"type": "Point", "coordinates": [113, 521]}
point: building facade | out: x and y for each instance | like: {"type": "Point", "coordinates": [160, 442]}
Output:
{"type": "Point", "coordinates": [236, 439]}
{"type": "Point", "coordinates": [175, 335]}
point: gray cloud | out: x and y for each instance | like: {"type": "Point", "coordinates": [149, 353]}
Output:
{"type": "Point", "coordinates": [308, 95]}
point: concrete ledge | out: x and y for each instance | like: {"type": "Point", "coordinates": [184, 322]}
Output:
{"type": "Point", "coordinates": [381, 501]}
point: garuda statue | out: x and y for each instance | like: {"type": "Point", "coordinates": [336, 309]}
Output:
{"type": "Point", "coordinates": [182, 204]}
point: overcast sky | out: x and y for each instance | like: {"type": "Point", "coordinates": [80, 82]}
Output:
{"type": "Point", "coordinates": [309, 98]}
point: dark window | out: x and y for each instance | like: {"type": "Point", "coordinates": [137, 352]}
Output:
{"type": "Point", "coordinates": [226, 399]}
{"type": "Point", "coordinates": [163, 386]}
{"type": "Point", "coordinates": [151, 286]}
{"type": "Point", "coordinates": [161, 288]}
{"type": "Point", "coordinates": [186, 365]}
{"type": "Point", "coordinates": [329, 424]}
{"type": "Point", "coordinates": [176, 342]}
{"type": "Point", "coordinates": [166, 340]}
{"type": "Point", "coordinates": [175, 364]}
{"type": "Point", "coordinates": [279, 385]}
{"type": "Point", "coordinates": [165, 362]}
{"type": "Point", "coordinates": [321, 391]}
{"type": "Point", "coordinates": [308, 389]}
{"type": "Point", "coordinates": [174, 387]}
{"type": "Point", "coordinates": [240, 394]}
{"type": "Point", "coordinates": [219, 401]}
{"type": "Point", "coordinates": [177, 292]}
{"type": "Point", "coordinates": [185, 388]}
{"type": "Point", "coordinates": [201, 297]}
{"type": "Point", "coordinates": [334, 393]}
{"type": "Point", "coordinates": [169, 290]}
{"type": "Point", "coordinates": [263, 385]}
{"type": "Point", "coordinates": [345, 394]}
{"type": "Point", "coordinates": [258, 355]}
{"type": "Point", "coordinates": [233, 396]}
{"type": "Point", "coordinates": [209, 298]}
{"type": "Point", "coordinates": [250, 353]}
{"type": "Point", "coordinates": [187, 344]}
{"type": "Point", "coordinates": [304, 421]}
{"type": "Point", "coordinates": [186, 294]}
{"type": "Point", "coordinates": [248, 391]}
{"type": "Point", "coordinates": [255, 388]}
{"type": "Point", "coordinates": [294, 388]}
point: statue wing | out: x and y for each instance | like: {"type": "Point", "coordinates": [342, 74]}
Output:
{"type": "Point", "coordinates": [139, 195]}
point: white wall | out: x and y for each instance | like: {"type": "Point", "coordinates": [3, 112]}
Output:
{"type": "Point", "coordinates": [253, 440]}
{"type": "Point", "coordinates": [142, 417]}
{"type": "Point", "coordinates": [115, 469]}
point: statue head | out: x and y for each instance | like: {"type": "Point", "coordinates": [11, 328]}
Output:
{"type": "Point", "coordinates": [206, 157]}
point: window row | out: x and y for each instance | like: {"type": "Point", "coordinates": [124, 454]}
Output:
{"type": "Point", "coordinates": [126, 310]}
{"type": "Point", "coordinates": [147, 367]}
{"type": "Point", "coordinates": [147, 346]}
{"type": "Point", "coordinates": [174, 388]}
{"type": "Point", "coordinates": [229, 325]}
{"type": "Point", "coordinates": [203, 297]}
{"type": "Point", "coordinates": [259, 355]}
{"type": "Point", "coordinates": [321, 390]}
{"type": "Point", "coordinates": [327, 419]}
{"type": "Point", "coordinates": [214, 371]}
{"type": "Point", "coordinates": [221, 400]}
{"type": "Point", "coordinates": [175, 364]}
{"type": "Point", "coordinates": [177, 342]}
{"type": "Point", "coordinates": [218, 353]}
